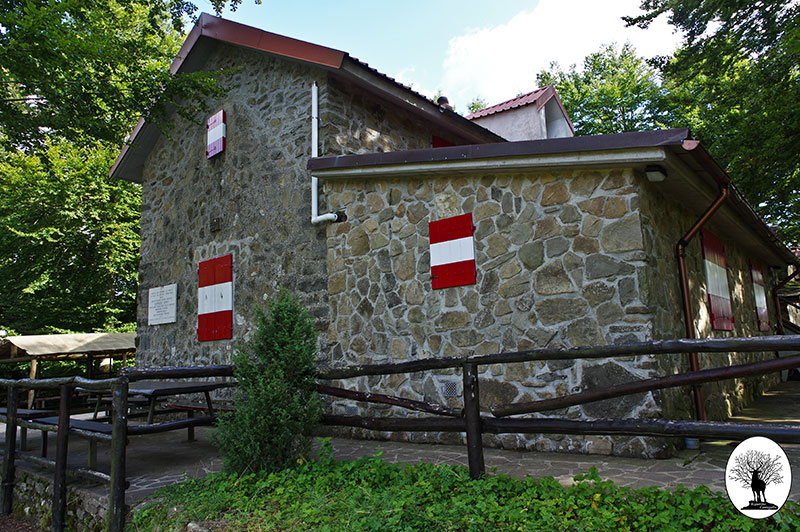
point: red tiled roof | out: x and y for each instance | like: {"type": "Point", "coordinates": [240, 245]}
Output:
{"type": "Point", "coordinates": [540, 95]}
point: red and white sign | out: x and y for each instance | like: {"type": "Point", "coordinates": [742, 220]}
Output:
{"type": "Point", "coordinates": [216, 130]}
{"type": "Point", "coordinates": [215, 299]}
{"type": "Point", "coordinates": [452, 251]}
{"type": "Point", "coordinates": [719, 295]}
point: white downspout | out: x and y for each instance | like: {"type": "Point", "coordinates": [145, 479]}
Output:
{"type": "Point", "coordinates": [315, 217]}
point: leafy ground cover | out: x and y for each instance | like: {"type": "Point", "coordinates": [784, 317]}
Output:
{"type": "Point", "coordinates": [372, 495]}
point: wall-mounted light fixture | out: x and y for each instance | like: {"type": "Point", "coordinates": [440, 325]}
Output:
{"type": "Point", "coordinates": [655, 173]}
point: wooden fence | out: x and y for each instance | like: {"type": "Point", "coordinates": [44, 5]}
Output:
{"type": "Point", "coordinates": [447, 419]}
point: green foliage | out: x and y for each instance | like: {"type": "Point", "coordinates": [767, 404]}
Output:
{"type": "Point", "coordinates": [371, 495]}
{"type": "Point", "coordinates": [736, 84]}
{"type": "Point", "coordinates": [70, 238]}
{"type": "Point", "coordinates": [76, 68]}
{"type": "Point", "coordinates": [477, 104]}
{"type": "Point", "coordinates": [277, 406]}
{"type": "Point", "coordinates": [614, 92]}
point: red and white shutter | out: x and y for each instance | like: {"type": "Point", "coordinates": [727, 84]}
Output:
{"type": "Point", "coordinates": [452, 251]}
{"type": "Point", "coordinates": [760, 292]}
{"type": "Point", "coordinates": [217, 131]}
{"type": "Point", "coordinates": [215, 299]}
{"type": "Point", "coordinates": [719, 295]}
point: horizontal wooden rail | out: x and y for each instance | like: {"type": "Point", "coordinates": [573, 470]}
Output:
{"type": "Point", "coordinates": [56, 383]}
{"type": "Point", "coordinates": [177, 373]}
{"type": "Point", "coordinates": [410, 424]}
{"type": "Point", "coordinates": [74, 472]}
{"type": "Point", "coordinates": [644, 427]}
{"type": "Point", "coordinates": [671, 381]}
{"type": "Point", "coordinates": [660, 347]}
{"type": "Point", "coordinates": [420, 406]}
{"type": "Point", "coordinates": [171, 425]}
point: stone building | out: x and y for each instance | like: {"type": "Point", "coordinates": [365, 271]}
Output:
{"type": "Point", "coordinates": [573, 240]}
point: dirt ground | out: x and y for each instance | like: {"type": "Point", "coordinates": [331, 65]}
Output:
{"type": "Point", "coordinates": [9, 524]}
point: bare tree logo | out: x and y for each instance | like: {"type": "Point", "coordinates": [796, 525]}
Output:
{"type": "Point", "coordinates": [758, 468]}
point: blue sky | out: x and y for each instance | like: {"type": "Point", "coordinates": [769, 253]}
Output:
{"type": "Point", "coordinates": [465, 48]}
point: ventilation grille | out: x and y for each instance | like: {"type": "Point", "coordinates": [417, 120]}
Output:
{"type": "Point", "coordinates": [450, 389]}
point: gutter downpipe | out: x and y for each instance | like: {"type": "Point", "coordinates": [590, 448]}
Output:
{"type": "Point", "coordinates": [777, 302]}
{"type": "Point", "coordinates": [680, 251]}
{"type": "Point", "coordinates": [315, 217]}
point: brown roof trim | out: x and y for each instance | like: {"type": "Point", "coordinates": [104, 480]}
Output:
{"type": "Point", "coordinates": [339, 63]}
{"type": "Point", "coordinates": [236, 33]}
{"type": "Point", "coordinates": [643, 139]}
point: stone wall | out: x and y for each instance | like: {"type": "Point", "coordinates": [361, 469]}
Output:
{"type": "Point", "coordinates": [560, 262]}
{"type": "Point", "coordinates": [665, 222]}
{"type": "Point", "coordinates": [33, 503]}
{"type": "Point", "coordinates": [253, 200]}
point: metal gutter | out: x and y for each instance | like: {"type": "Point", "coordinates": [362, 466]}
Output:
{"type": "Point", "coordinates": [526, 148]}
{"type": "Point", "coordinates": [617, 158]}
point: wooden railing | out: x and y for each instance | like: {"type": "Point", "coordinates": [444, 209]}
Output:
{"type": "Point", "coordinates": [473, 424]}
{"type": "Point", "coordinates": [447, 419]}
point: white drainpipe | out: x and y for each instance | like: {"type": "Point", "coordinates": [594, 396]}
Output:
{"type": "Point", "coordinates": [315, 217]}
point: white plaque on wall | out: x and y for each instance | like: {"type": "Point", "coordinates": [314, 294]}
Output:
{"type": "Point", "coordinates": [162, 302]}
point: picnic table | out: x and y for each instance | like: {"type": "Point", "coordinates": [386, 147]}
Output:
{"type": "Point", "coordinates": [155, 390]}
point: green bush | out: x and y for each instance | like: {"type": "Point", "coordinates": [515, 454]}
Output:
{"type": "Point", "coordinates": [276, 403]}
{"type": "Point", "coordinates": [370, 495]}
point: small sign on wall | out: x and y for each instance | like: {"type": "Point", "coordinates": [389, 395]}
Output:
{"type": "Point", "coordinates": [162, 302]}
{"type": "Point", "coordinates": [215, 299]}
{"type": "Point", "coordinates": [217, 131]}
{"type": "Point", "coordinates": [452, 251]}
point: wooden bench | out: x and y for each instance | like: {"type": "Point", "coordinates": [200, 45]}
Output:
{"type": "Point", "coordinates": [79, 427]}
{"type": "Point", "coordinates": [191, 408]}
{"type": "Point", "coordinates": [27, 414]}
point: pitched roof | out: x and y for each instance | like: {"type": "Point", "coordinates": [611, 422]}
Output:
{"type": "Point", "coordinates": [210, 30]}
{"type": "Point", "coordinates": [672, 147]}
{"type": "Point", "coordinates": [540, 96]}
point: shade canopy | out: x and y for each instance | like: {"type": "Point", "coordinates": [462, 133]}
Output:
{"type": "Point", "coordinates": [15, 347]}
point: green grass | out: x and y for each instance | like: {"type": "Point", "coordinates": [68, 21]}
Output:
{"type": "Point", "coordinates": [371, 495]}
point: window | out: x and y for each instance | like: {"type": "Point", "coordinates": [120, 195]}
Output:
{"type": "Point", "coordinates": [760, 293]}
{"type": "Point", "coordinates": [719, 295]}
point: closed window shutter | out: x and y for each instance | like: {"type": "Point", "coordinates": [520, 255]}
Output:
{"type": "Point", "coordinates": [719, 296]}
{"type": "Point", "coordinates": [452, 252]}
{"type": "Point", "coordinates": [760, 294]}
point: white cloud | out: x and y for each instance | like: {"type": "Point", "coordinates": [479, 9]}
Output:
{"type": "Point", "coordinates": [499, 62]}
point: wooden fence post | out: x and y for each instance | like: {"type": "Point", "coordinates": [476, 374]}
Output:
{"type": "Point", "coordinates": [472, 416]}
{"type": "Point", "coordinates": [9, 469]}
{"type": "Point", "coordinates": [119, 441]}
{"type": "Point", "coordinates": [62, 446]}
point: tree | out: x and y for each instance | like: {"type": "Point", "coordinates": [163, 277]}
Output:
{"type": "Point", "coordinates": [753, 464]}
{"type": "Point", "coordinates": [70, 239]}
{"type": "Point", "coordinates": [74, 77]}
{"type": "Point", "coordinates": [616, 91]}
{"type": "Point", "coordinates": [737, 85]}
{"type": "Point", "coordinates": [77, 68]}
{"type": "Point", "coordinates": [477, 104]}
{"type": "Point", "coordinates": [277, 406]}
